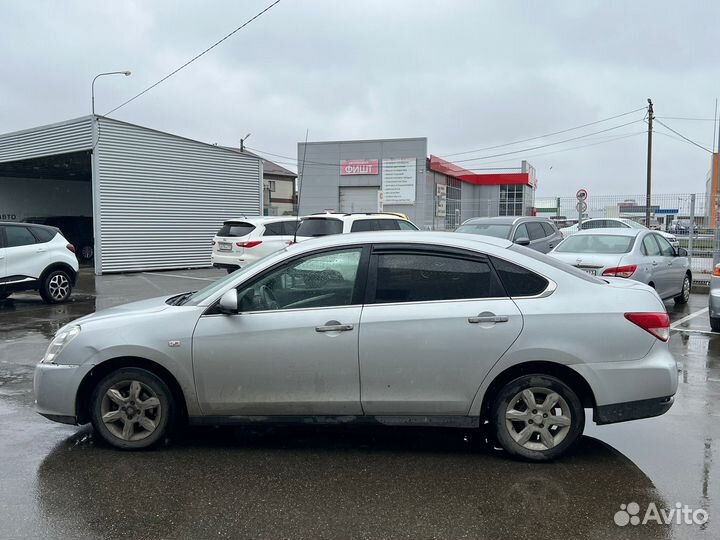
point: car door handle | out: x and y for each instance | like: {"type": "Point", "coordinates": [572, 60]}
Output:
{"type": "Point", "coordinates": [40, 250]}
{"type": "Point", "coordinates": [654, 263]}
{"type": "Point", "coordinates": [488, 319]}
{"type": "Point", "coordinates": [334, 327]}
{"type": "Point", "coordinates": [551, 245]}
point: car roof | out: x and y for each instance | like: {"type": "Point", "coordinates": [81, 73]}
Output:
{"type": "Point", "coordinates": [617, 231]}
{"type": "Point", "coordinates": [260, 219]}
{"type": "Point", "coordinates": [506, 220]}
{"type": "Point", "coordinates": [350, 215]}
{"type": "Point", "coordinates": [24, 224]}
{"type": "Point", "coordinates": [451, 239]}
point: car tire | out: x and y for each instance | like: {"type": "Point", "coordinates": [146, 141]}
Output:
{"type": "Point", "coordinates": [715, 324]}
{"type": "Point", "coordinates": [132, 409]}
{"type": "Point", "coordinates": [521, 422]}
{"type": "Point", "coordinates": [56, 287]}
{"type": "Point", "coordinates": [685, 294]}
{"type": "Point", "coordinates": [87, 252]}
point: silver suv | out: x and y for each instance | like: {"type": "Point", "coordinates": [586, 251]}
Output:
{"type": "Point", "coordinates": [537, 233]}
{"type": "Point", "coordinates": [400, 328]}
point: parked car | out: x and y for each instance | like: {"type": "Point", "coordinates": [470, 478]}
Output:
{"type": "Point", "coordinates": [537, 233]}
{"type": "Point", "coordinates": [613, 223]}
{"type": "Point", "coordinates": [640, 254]}
{"type": "Point", "coordinates": [77, 229]}
{"type": "Point", "coordinates": [714, 300]}
{"type": "Point", "coordinates": [421, 328]}
{"type": "Point", "coordinates": [333, 223]}
{"type": "Point", "coordinates": [680, 227]}
{"type": "Point", "coordinates": [242, 241]}
{"type": "Point", "coordinates": [36, 257]}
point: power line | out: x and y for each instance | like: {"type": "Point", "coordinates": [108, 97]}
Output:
{"type": "Point", "coordinates": [166, 77]}
{"type": "Point", "coordinates": [684, 137]}
{"type": "Point", "coordinates": [544, 136]}
{"type": "Point", "coordinates": [522, 150]}
{"type": "Point", "coordinates": [686, 118]}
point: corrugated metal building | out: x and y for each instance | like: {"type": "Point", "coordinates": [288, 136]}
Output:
{"type": "Point", "coordinates": [156, 199]}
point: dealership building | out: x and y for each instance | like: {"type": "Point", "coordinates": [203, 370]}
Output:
{"type": "Point", "coordinates": [398, 175]}
{"type": "Point", "coordinates": [155, 199]}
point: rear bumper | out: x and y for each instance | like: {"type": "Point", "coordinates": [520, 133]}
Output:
{"type": "Point", "coordinates": [632, 410]}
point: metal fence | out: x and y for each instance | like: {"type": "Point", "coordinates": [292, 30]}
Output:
{"type": "Point", "coordinates": [692, 217]}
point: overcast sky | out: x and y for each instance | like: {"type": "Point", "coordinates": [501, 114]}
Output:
{"type": "Point", "coordinates": [464, 74]}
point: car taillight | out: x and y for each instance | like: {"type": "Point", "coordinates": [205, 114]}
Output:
{"type": "Point", "coordinates": [621, 271]}
{"type": "Point", "coordinates": [716, 271]}
{"type": "Point", "coordinates": [71, 247]}
{"type": "Point", "coordinates": [657, 324]}
{"type": "Point", "coordinates": [248, 244]}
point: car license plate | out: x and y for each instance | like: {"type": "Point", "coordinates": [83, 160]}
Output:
{"type": "Point", "coordinates": [590, 271]}
{"type": "Point", "coordinates": [224, 246]}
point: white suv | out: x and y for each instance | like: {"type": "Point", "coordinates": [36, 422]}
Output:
{"type": "Point", "coordinates": [36, 257]}
{"type": "Point", "coordinates": [331, 223]}
{"type": "Point", "coordinates": [243, 241]}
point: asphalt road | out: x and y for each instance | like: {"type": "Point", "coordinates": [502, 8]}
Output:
{"type": "Point", "coordinates": [343, 482]}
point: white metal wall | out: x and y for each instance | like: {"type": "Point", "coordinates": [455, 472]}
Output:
{"type": "Point", "coordinates": [161, 198]}
{"type": "Point", "coordinates": [358, 199]}
{"type": "Point", "coordinates": [62, 138]}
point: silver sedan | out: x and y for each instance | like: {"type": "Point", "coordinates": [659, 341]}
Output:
{"type": "Point", "coordinates": [640, 254]}
{"type": "Point", "coordinates": [398, 328]}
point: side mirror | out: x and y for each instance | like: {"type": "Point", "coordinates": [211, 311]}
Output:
{"type": "Point", "coordinates": [229, 303]}
{"type": "Point", "coordinates": [681, 252]}
{"type": "Point", "coordinates": [522, 241]}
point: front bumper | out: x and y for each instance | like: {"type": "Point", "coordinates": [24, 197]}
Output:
{"type": "Point", "coordinates": [56, 387]}
{"type": "Point", "coordinates": [632, 410]}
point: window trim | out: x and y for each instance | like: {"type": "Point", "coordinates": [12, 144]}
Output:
{"type": "Point", "coordinates": [25, 226]}
{"type": "Point", "coordinates": [425, 249]}
{"type": "Point", "coordinates": [358, 291]}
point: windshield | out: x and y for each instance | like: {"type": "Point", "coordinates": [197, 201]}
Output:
{"type": "Point", "coordinates": [488, 229]}
{"type": "Point", "coordinates": [320, 227]}
{"type": "Point", "coordinates": [596, 243]}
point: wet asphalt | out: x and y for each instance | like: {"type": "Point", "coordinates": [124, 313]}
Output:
{"type": "Point", "coordinates": [58, 481]}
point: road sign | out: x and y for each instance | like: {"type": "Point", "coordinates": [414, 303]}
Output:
{"type": "Point", "coordinates": [581, 206]}
{"type": "Point", "coordinates": [581, 194]}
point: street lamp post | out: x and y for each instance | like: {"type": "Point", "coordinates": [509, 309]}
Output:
{"type": "Point", "coordinates": [92, 86]}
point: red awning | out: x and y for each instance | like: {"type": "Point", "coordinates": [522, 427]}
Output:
{"type": "Point", "coordinates": [493, 179]}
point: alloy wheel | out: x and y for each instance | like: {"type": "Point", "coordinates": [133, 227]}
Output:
{"type": "Point", "coordinates": [131, 410]}
{"type": "Point", "coordinates": [59, 286]}
{"type": "Point", "coordinates": [538, 418]}
{"type": "Point", "coordinates": [686, 289]}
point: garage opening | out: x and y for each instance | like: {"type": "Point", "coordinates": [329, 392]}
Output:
{"type": "Point", "coordinates": [53, 190]}
{"type": "Point", "coordinates": [358, 199]}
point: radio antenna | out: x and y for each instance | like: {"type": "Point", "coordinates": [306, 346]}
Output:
{"type": "Point", "coordinates": [300, 183]}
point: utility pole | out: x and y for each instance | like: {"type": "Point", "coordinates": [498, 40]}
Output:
{"type": "Point", "coordinates": [649, 163]}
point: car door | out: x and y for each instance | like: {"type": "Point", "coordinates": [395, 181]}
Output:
{"type": "Point", "coordinates": [651, 249]}
{"type": "Point", "coordinates": [674, 266]}
{"type": "Point", "coordinates": [434, 323]}
{"type": "Point", "coordinates": [538, 238]}
{"type": "Point", "coordinates": [552, 236]}
{"type": "Point", "coordinates": [275, 237]}
{"type": "Point", "coordinates": [24, 257]}
{"type": "Point", "coordinates": [292, 348]}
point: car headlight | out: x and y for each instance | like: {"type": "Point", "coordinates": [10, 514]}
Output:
{"type": "Point", "coordinates": [59, 342]}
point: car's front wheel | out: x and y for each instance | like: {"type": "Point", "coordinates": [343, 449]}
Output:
{"type": "Point", "coordinates": [132, 408]}
{"type": "Point", "coordinates": [56, 287]}
{"type": "Point", "coordinates": [537, 417]}
{"type": "Point", "coordinates": [685, 293]}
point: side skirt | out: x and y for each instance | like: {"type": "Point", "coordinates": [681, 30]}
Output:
{"type": "Point", "coordinates": [430, 421]}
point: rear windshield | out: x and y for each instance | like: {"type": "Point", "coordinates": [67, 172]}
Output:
{"type": "Point", "coordinates": [488, 229]}
{"type": "Point", "coordinates": [320, 227]}
{"type": "Point", "coordinates": [596, 243]}
{"type": "Point", "coordinates": [234, 229]}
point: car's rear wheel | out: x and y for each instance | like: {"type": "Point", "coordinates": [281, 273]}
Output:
{"type": "Point", "coordinates": [685, 294]}
{"type": "Point", "coordinates": [715, 324]}
{"type": "Point", "coordinates": [132, 408]}
{"type": "Point", "coordinates": [537, 417]}
{"type": "Point", "coordinates": [56, 287]}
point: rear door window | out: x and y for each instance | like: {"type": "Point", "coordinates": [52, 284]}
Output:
{"type": "Point", "coordinates": [423, 277]}
{"type": "Point", "coordinates": [387, 225]}
{"type": "Point", "coordinates": [320, 227]}
{"type": "Point", "coordinates": [18, 236]}
{"type": "Point", "coordinates": [236, 229]}
{"type": "Point", "coordinates": [363, 225]}
{"type": "Point", "coordinates": [274, 229]}
{"type": "Point", "coordinates": [549, 229]}
{"type": "Point", "coordinates": [290, 226]}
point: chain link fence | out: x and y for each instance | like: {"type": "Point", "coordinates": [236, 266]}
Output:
{"type": "Point", "coordinates": [692, 217]}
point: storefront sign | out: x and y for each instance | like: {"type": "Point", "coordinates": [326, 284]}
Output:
{"type": "Point", "coordinates": [351, 167]}
{"type": "Point", "coordinates": [398, 180]}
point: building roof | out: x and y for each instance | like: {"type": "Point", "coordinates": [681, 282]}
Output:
{"type": "Point", "coordinates": [269, 167]}
{"type": "Point", "coordinates": [479, 179]}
